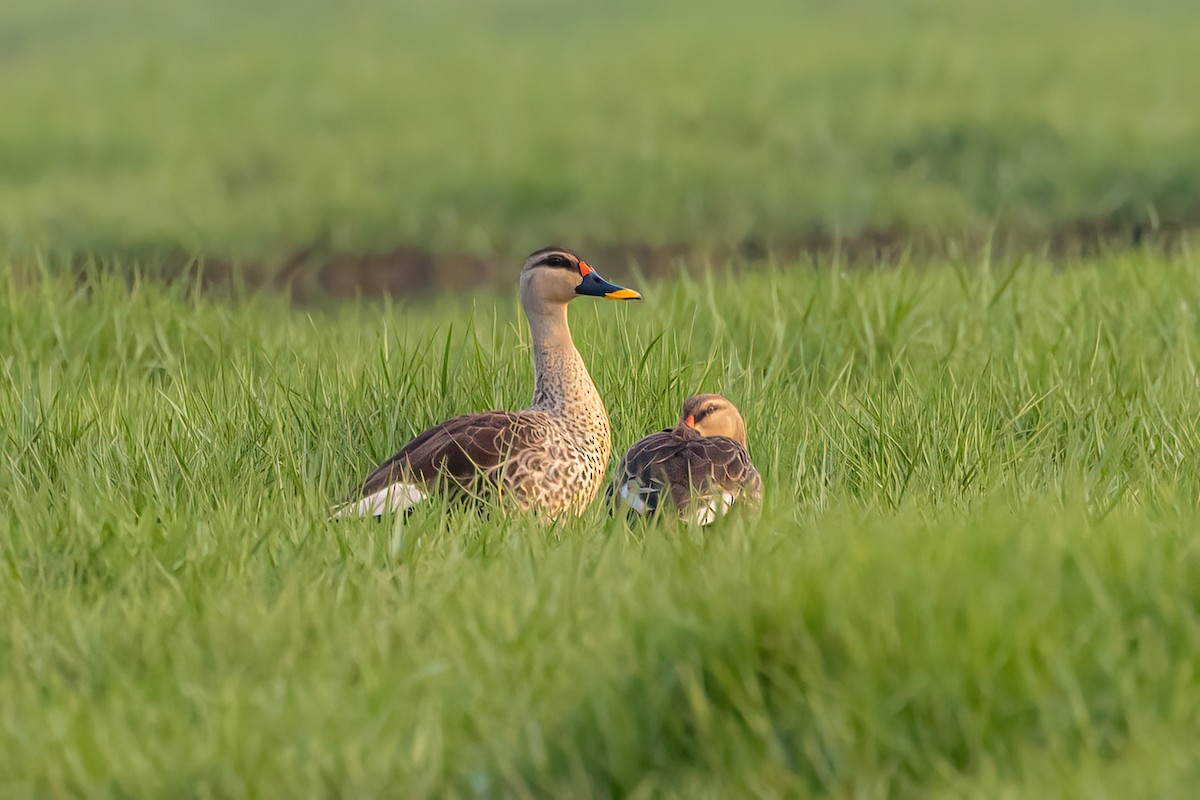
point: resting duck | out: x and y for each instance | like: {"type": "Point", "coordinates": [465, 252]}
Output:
{"type": "Point", "coordinates": [702, 464]}
{"type": "Point", "coordinates": [551, 457]}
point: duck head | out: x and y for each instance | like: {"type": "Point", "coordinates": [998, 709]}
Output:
{"type": "Point", "coordinates": [713, 415]}
{"type": "Point", "coordinates": [557, 275]}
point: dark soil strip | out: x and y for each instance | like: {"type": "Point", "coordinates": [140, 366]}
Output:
{"type": "Point", "coordinates": [310, 275]}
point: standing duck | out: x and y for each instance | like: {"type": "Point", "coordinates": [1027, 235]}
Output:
{"type": "Point", "coordinates": [550, 457]}
{"type": "Point", "coordinates": [702, 464]}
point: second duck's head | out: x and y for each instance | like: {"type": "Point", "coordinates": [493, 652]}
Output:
{"type": "Point", "coordinates": [556, 275]}
{"type": "Point", "coordinates": [713, 415]}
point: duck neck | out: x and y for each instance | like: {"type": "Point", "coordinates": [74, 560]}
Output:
{"type": "Point", "coordinates": [562, 384]}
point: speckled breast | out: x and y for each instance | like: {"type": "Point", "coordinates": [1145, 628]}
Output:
{"type": "Point", "coordinates": [565, 474]}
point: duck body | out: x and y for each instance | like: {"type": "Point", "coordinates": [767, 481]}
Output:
{"type": "Point", "coordinates": [549, 458]}
{"type": "Point", "coordinates": [533, 459]}
{"type": "Point", "coordinates": [697, 475]}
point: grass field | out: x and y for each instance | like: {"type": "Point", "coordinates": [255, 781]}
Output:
{"type": "Point", "coordinates": [250, 128]}
{"type": "Point", "coordinates": [975, 574]}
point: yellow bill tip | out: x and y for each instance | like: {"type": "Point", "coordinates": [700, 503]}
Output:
{"type": "Point", "coordinates": [623, 294]}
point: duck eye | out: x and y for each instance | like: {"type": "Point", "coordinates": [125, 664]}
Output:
{"type": "Point", "coordinates": [556, 261]}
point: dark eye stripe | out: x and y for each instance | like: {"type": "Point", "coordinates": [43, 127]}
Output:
{"type": "Point", "coordinates": [556, 261]}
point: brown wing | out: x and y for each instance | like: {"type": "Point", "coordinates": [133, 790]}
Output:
{"type": "Point", "coordinates": [467, 452]}
{"type": "Point", "coordinates": [683, 463]}
{"type": "Point", "coordinates": [712, 465]}
{"type": "Point", "coordinates": [640, 478]}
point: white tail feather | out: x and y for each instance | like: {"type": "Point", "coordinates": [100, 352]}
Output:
{"type": "Point", "coordinates": [397, 497]}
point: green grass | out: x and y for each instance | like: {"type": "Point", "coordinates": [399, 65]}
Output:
{"type": "Point", "coordinates": [248, 129]}
{"type": "Point", "coordinates": [976, 571]}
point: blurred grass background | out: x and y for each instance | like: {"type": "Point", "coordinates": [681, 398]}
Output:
{"type": "Point", "coordinates": [251, 129]}
{"type": "Point", "coordinates": [976, 572]}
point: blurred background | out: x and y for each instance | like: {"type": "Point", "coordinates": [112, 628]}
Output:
{"type": "Point", "coordinates": [415, 146]}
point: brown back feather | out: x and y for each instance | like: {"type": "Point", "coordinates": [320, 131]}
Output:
{"type": "Point", "coordinates": [467, 452]}
{"type": "Point", "coordinates": [684, 463]}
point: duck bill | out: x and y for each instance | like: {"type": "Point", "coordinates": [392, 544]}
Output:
{"type": "Point", "coordinates": [595, 286]}
{"type": "Point", "coordinates": [686, 425]}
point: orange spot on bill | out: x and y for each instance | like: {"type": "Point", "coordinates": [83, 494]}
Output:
{"type": "Point", "coordinates": [585, 269]}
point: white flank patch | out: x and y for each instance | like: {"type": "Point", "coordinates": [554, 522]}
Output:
{"type": "Point", "coordinates": [631, 494]}
{"type": "Point", "coordinates": [708, 511]}
{"type": "Point", "coordinates": [397, 497]}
